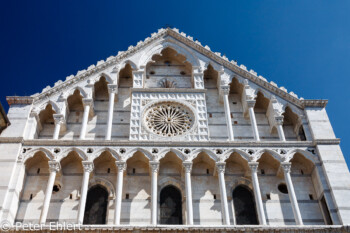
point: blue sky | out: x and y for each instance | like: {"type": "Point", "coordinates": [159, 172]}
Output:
{"type": "Point", "coordinates": [301, 45]}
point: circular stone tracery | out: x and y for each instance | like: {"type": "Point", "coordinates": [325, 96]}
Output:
{"type": "Point", "coordinates": [169, 119]}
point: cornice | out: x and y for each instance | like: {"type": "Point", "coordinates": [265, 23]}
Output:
{"type": "Point", "coordinates": [51, 142]}
{"type": "Point", "coordinates": [11, 139]}
{"type": "Point", "coordinates": [335, 141]}
{"type": "Point", "coordinates": [24, 100]}
{"type": "Point", "coordinates": [169, 90]}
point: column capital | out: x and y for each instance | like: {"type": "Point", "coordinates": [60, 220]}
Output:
{"type": "Point", "coordinates": [286, 166]}
{"type": "Point", "coordinates": [253, 166]}
{"type": "Point", "coordinates": [121, 165]}
{"type": "Point", "coordinates": [187, 166]}
{"type": "Point", "coordinates": [220, 167]}
{"type": "Point", "coordinates": [112, 88]}
{"type": "Point", "coordinates": [279, 120]}
{"type": "Point", "coordinates": [58, 118]}
{"type": "Point", "coordinates": [88, 166]}
{"type": "Point", "coordinates": [225, 89]}
{"type": "Point", "coordinates": [87, 101]}
{"type": "Point", "coordinates": [154, 165]}
{"type": "Point", "coordinates": [54, 166]}
{"type": "Point", "coordinates": [251, 103]}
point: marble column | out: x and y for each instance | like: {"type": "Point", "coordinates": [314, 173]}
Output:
{"type": "Point", "coordinates": [286, 166]}
{"type": "Point", "coordinates": [154, 165]}
{"type": "Point", "coordinates": [225, 91]}
{"type": "Point", "coordinates": [251, 104]}
{"type": "Point", "coordinates": [221, 171]}
{"type": "Point", "coordinates": [88, 168]}
{"type": "Point", "coordinates": [59, 120]}
{"type": "Point", "coordinates": [112, 89]}
{"type": "Point", "coordinates": [87, 104]}
{"type": "Point", "coordinates": [121, 165]}
{"type": "Point", "coordinates": [54, 167]}
{"type": "Point", "coordinates": [257, 194]}
{"type": "Point", "coordinates": [279, 126]}
{"type": "Point", "coordinates": [189, 206]}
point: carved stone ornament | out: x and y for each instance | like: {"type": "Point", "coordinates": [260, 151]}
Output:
{"type": "Point", "coordinates": [121, 165]}
{"type": "Point", "coordinates": [187, 166]}
{"type": "Point", "coordinates": [253, 166]}
{"type": "Point", "coordinates": [54, 166]}
{"type": "Point", "coordinates": [220, 167]}
{"type": "Point", "coordinates": [168, 119]}
{"type": "Point", "coordinates": [88, 166]}
{"type": "Point", "coordinates": [286, 166]}
{"type": "Point", "coordinates": [154, 166]}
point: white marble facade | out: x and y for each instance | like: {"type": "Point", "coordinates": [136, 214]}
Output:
{"type": "Point", "coordinates": [170, 112]}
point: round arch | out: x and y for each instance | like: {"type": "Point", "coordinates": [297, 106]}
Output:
{"type": "Point", "coordinates": [105, 184]}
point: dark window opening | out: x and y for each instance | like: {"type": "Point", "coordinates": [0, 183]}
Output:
{"type": "Point", "coordinates": [133, 171]}
{"type": "Point", "coordinates": [301, 134]}
{"type": "Point", "coordinates": [301, 171]}
{"type": "Point", "coordinates": [283, 188]}
{"type": "Point", "coordinates": [38, 171]}
{"type": "Point", "coordinates": [31, 197]}
{"type": "Point", "coordinates": [234, 102]}
{"type": "Point", "coordinates": [326, 215]}
{"type": "Point", "coordinates": [235, 122]}
{"type": "Point", "coordinates": [311, 197]}
{"type": "Point", "coordinates": [183, 73]}
{"type": "Point", "coordinates": [268, 197]}
{"type": "Point", "coordinates": [207, 171]}
{"type": "Point", "coordinates": [214, 196]}
{"type": "Point", "coordinates": [56, 188]}
{"type": "Point", "coordinates": [70, 196]}
{"type": "Point", "coordinates": [170, 206]}
{"type": "Point", "coordinates": [244, 205]}
{"type": "Point", "coordinates": [96, 206]}
{"type": "Point", "coordinates": [262, 172]}
{"type": "Point", "coordinates": [152, 72]}
{"type": "Point", "coordinates": [127, 196]}
{"type": "Point", "coordinates": [210, 115]}
{"type": "Point", "coordinates": [108, 170]}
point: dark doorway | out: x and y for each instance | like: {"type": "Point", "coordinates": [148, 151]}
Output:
{"type": "Point", "coordinates": [170, 206]}
{"type": "Point", "coordinates": [96, 206]}
{"type": "Point", "coordinates": [244, 206]}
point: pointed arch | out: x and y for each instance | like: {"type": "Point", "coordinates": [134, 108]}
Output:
{"type": "Point", "coordinates": [243, 154]}
{"type": "Point", "coordinates": [178, 153]}
{"type": "Point", "coordinates": [32, 153]}
{"type": "Point", "coordinates": [113, 152]}
{"type": "Point", "coordinates": [131, 63]}
{"type": "Point", "coordinates": [273, 153]}
{"type": "Point", "coordinates": [52, 103]}
{"type": "Point", "coordinates": [106, 76]}
{"type": "Point", "coordinates": [210, 153]}
{"type": "Point", "coordinates": [308, 155]}
{"type": "Point", "coordinates": [131, 153]}
{"type": "Point", "coordinates": [157, 49]}
{"type": "Point", "coordinates": [80, 153]}
{"type": "Point", "coordinates": [80, 89]}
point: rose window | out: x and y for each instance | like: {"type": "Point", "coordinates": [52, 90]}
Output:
{"type": "Point", "coordinates": [169, 119]}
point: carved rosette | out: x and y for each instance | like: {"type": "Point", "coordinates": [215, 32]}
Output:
{"type": "Point", "coordinates": [88, 166]}
{"type": "Point", "coordinates": [168, 119]}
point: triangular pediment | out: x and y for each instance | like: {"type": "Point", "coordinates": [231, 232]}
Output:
{"type": "Point", "coordinates": [184, 44]}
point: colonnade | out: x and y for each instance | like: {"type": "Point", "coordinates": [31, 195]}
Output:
{"type": "Point", "coordinates": [154, 169]}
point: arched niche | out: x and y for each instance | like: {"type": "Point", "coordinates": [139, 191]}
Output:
{"type": "Point", "coordinates": [104, 165]}
{"type": "Point", "coordinates": [211, 77]}
{"type": "Point", "coordinates": [46, 125]}
{"type": "Point", "coordinates": [170, 165]}
{"type": "Point", "coordinates": [125, 79]}
{"type": "Point", "coordinates": [96, 206]}
{"type": "Point", "coordinates": [75, 116]}
{"type": "Point", "coordinates": [244, 206]}
{"type": "Point", "coordinates": [101, 90]}
{"type": "Point", "coordinates": [236, 165]}
{"type": "Point", "coordinates": [292, 127]}
{"type": "Point", "coordinates": [168, 69]}
{"type": "Point", "coordinates": [170, 206]}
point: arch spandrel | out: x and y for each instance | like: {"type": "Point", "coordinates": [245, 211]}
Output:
{"type": "Point", "coordinates": [33, 152]}
{"type": "Point", "coordinates": [308, 155]}
{"type": "Point", "coordinates": [112, 151]}
{"type": "Point", "coordinates": [210, 153]}
{"type": "Point", "coordinates": [80, 153]}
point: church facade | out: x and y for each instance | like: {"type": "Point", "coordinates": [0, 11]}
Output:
{"type": "Point", "coordinates": [169, 134]}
